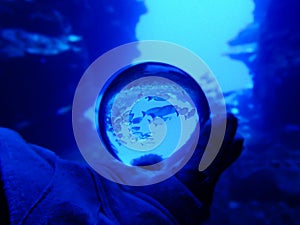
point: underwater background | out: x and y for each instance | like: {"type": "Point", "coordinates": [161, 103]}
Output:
{"type": "Point", "coordinates": [253, 47]}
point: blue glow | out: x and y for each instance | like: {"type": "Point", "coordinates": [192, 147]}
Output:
{"type": "Point", "coordinates": [204, 27]}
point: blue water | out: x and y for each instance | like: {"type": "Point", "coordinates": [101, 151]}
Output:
{"type": "Point", "coordinates": [204, 27]}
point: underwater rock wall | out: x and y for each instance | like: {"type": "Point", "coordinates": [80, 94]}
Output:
{"type": "Point", "coordinates": [262, 187]}
{"type": "Point", "coordinates": [45, 48]}
{"type": "Point", "coordinates": [270, 47]}
{"type": "Point", "coordinates": [277, 67]}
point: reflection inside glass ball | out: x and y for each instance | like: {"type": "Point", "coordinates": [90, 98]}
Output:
{"type": "Point", "coordinates": [146, 120]}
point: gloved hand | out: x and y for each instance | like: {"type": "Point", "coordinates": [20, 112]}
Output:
{"type": "Point", "coordinates": [41, 188]}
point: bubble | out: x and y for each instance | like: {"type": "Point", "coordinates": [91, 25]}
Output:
{"type": "Point", "coordinates": [144, 113]}
{"type": "Point", "coordinates": [138, 123]}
